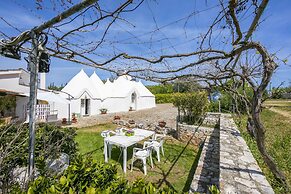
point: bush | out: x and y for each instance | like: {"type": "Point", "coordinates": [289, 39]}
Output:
{"type": "Point", "coordinates": [192, 105]}
{"type": "Point", "coordinates": [50, 142]}
{"type": "Point", "coordinates": [161, 89]}
{"type": "Point", "coordinates": [7, 103]}
{"type": "Point", "coordinates": [165, 98]}
{"type": "Point", "coordinates": [85, 175]}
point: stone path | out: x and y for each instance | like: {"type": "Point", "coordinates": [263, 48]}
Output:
{"type": "Point", "coordinates": [227, 162]}
{"type": "Point", "coordinates": [281, 112]}
{"type": "Point", "coordinates": [239, 171]}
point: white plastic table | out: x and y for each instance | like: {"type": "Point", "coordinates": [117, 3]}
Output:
{"type": "Point", "coordinates": [124, 142]}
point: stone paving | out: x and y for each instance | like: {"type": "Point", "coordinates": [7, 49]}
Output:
{"type": "Point", "coordinates": [227, 162]}
{"type": "Point", "coordinates": [239, 171]}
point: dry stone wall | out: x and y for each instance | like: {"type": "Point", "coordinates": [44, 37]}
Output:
{"type": "Point", "coordinates": [227, 162]}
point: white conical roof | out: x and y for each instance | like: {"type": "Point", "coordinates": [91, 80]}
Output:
{"type": "Point", "coordinates": [122, 86]}
{"type": "Point", "coordinates": [142, 90]}
{"type": "Point", "coordinates": [96, 80]}
{"type": "Point", "coordinates": [81, 83]}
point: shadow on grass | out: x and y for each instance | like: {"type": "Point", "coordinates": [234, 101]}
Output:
{"type": "Point", "coordinates": [192, 170]}
{"type": "Point", "coordinates": [92, 151]}
{"type": "Point", "coordinates": [165, 175]}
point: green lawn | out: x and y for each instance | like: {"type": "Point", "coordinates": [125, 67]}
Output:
{"type": "Point", "coordinates": [278, 143]}
{"type": "Point", "coordinates": [175, 170]}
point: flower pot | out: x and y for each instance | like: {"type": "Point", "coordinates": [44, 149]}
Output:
{"type": "Point", "coordinates": [162, 123]}
{"type": "Point", "coordinates": [131, 122]}
{"type": "Point", "coordinates": [116, 117]}
{"type": "Point", "coordinates": [64, 121]}
{"type": "Point", "coordinates": [74, 120]}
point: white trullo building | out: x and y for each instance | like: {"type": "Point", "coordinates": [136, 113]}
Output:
{"type": "Point", "coordinates": [89, 94]}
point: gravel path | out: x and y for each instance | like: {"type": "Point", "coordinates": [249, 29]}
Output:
{"type": "Point", "coordinates": [166, 112]}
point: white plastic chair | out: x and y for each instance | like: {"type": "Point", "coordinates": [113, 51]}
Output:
{"type": "Point", "coordinates": [157, 144]}
{"type": "Point", "coordinates": [142, 154]}
{"type": "Point", "coordinates": [105, 134]}
{"type": "Point", "coordinates": [120, 131]}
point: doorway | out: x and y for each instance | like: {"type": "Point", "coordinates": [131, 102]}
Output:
{"type": "Point", "coordinates": [85, 107]}
{"type": "Point", "coordinates": [133, 101]}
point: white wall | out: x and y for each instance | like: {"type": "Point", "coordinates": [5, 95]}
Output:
{"type": "Point", "coordinates": [20, 110]}
{"type": "Point", "coordinates": [63, 110]}
{"type": "Point", "coordinates": [95, 106]}
{"type": "Point", "coordinates": [42, 80]}
{"type": "Point", "coordinates": [144, 102]}
{"type": "Point", "coordinates": [76, 106]}
{"type": "Point", "coordinates": [114, 104]}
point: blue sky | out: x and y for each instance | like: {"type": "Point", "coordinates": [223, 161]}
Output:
{"type": "Point", "coordinates": [274, 32]}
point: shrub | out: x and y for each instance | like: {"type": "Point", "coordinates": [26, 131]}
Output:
{"type": "Point", "coordinates": [165, 98]}
{"type": "Point", "coordinates": [6, 104]}
{"type": "Point", "coordinates": [192, 105]}
{"type": "Point", "coordinates": [50, 142]}
{"type": "Point", "coordinates": [85, 175]}
{"type": "Point", "coordinates": [161, 89]}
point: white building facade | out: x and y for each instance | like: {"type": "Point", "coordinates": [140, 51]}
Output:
{"type": "Point", "coordinates": [90, 94]}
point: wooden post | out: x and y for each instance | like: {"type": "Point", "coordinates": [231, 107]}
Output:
{"type": "Point", "coordinates": [33, 66]}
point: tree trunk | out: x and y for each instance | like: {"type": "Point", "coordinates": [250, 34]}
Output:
{"type": "Point", "coordinates": [251, 127]}
{"type": "Point", "coordinates": [260, 139]}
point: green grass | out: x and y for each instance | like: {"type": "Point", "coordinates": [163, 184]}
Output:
{"type": "Point", "coordinates": [278, 144]}
{"type": "Point", "coordinates": [175, 169]}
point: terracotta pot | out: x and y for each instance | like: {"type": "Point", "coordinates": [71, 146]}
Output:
{"type": "Point", "coordinates": [131, 122]}
{"type": "Point", "coordinates": [74, 120]}
{"type": "Point", "coordinates": [116, 117]}
{"type": "Point", "coordinates": [162, 123]}
{"type": "Point", "coordinates": [64, 121]}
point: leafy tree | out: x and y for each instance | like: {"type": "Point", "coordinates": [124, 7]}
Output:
{"type": "Point", "coordinates": [52, 86]}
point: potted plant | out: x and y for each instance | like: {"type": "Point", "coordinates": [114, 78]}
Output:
{"type": "Point", "coordinates": [131, 122]}
{"type": "Point", "coordinates": [162, 123]}
{"type": "Point", "coordinates": [116, 117]}
{"type": "Point", "coordinates": [64, 121]}
{"type": "Point", "coordinates": [103, 110]}
{"type": "Point", "coordinates": [129, 133]}
{"type": "Point", "coordinates": [74, 118]}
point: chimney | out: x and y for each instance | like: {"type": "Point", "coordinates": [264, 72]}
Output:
{"type": "Point", "coordinates": [42, 80]}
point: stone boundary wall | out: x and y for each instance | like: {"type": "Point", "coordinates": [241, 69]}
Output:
{"type": "Point", "coordinates": [207, 171]}
{"type": "Point", "coordinates": [227, 162]}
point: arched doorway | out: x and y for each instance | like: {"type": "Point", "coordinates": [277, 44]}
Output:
{"type": "Point", "coordinates": [133, 101]}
